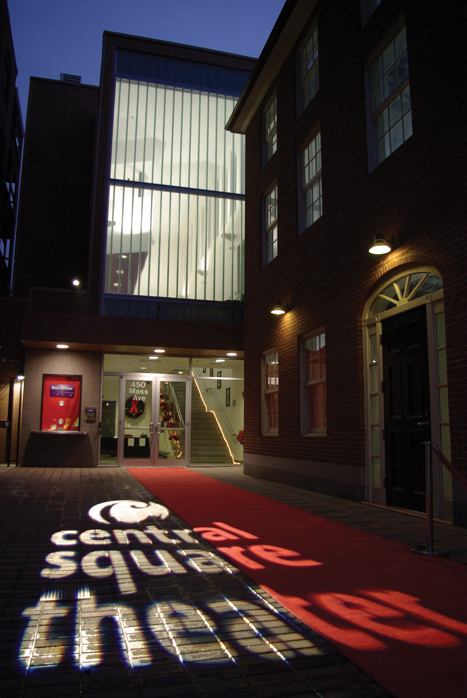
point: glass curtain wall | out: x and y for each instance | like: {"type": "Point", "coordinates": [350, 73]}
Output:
{"type": "Point", "coordinates": [176, 204]}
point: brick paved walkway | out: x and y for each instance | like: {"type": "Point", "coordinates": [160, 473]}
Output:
{"type": "Point", "coordinates": [179, 622]}
{"type": "Point", "coordinates": [102, 611]}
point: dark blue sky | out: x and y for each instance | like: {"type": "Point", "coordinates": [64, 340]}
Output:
{"type": "Point", "coordinates": [65, 36]}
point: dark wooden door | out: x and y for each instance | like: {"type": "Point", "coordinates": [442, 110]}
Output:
{"type": "Point", "coordinates": [406, 407]}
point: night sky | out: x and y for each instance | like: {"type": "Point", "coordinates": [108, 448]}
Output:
{"type": "Point", "coordinates": [65, 36]}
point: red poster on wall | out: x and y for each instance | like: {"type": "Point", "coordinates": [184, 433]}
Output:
{"type": "Point", "coordinates": [61, 399]}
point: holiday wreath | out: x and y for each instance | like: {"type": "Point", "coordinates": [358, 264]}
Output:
{"type": "Point", "coordinates": [134, 408]}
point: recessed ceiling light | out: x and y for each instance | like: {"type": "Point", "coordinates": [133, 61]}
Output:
{"type": "Point", "coordinates": [231, 353]}
{"type": "Point", "coordinates": [159, 351]}
{"type": "Point", "coordinates": [153, 358]}
{"type": "Point", "coordinates": [63, 346]}
{"type": "Point", "coordinates": [220, 361]}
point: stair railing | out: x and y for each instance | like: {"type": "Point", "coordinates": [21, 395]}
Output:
{"type": "Point", "coordinates": [199, 379]}
{"type": "Point", "coordinates": [177, 405]}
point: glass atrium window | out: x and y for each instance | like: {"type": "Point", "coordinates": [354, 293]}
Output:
{"type": "Point", "coordinates": [176, 194]}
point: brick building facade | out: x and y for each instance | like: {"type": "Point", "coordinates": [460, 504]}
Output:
{"type": "Point", "coordinates": [355, 119]}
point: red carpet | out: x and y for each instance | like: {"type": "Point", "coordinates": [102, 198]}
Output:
{"type": "Point", "coordinates": [400, 617]}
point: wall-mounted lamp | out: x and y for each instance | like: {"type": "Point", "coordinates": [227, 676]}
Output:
{"type": "Point", "coordinates": [381, 246]}
{"type": "Point", "coordinates": [279, 309]}
{"type": "Point", "coordinates": [20, 377]}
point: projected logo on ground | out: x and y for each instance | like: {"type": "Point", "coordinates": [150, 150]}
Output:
{"type": "Point", "coordinates": [128, 511]}
{"type": "Point", "coordinates": [69, 624]}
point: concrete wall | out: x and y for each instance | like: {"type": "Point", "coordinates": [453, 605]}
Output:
{"type": "Point", "coordinates": [51, 449]}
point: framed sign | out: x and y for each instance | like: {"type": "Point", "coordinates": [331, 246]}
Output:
{"type": "Point", "coordinates": [61, 403]}
{"type": "Point", "coordinates": [227, 397]}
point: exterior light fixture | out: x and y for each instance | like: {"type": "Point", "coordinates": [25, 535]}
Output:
{"type": "Point", "coordinates": [75, 282]}
{"type": "Point", "coordinates": [63, 346]}
{"type": "Point", "coordinates": [380, 246]}
{"type": "Point", "coordinates": [279, 309]}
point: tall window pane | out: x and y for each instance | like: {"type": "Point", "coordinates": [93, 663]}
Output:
{"type": "Point", "coordinates": [271, 392]}
{"type": "Point", "coordinates": [390, 97]}
{"type": "Point", "coordinates": [270, 226]}
{"type": "Point", "coordinates": [270, 130]}
{"type": "Point", "coordinates": [314, 407]}
{"type": "Point", "coordinates": [308, 69]}
{"type": "Point", "coordinates": [312, 203]}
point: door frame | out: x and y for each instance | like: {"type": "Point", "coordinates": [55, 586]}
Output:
{"type": "Point", "coordinates": [155, 427]}
{"type": "Point", "coordinates": [375, 466]}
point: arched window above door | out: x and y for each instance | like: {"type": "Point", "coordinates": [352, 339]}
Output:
{"type": "Point", "coordinates": [404, 290]}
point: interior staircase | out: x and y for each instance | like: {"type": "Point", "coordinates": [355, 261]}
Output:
{"type": "Point", "coordinates": [207, 442]}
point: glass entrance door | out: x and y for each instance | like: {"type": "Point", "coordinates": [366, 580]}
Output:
{"type": "Point", "coordinates": [152, 421]}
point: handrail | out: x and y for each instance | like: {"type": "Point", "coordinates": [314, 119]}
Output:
{"type": "Point", "coordinates": [221, 409]}
{"type": "Point", "coordinates": [217, 400]}
{"type": "Point", "coordinates": [177, 405]}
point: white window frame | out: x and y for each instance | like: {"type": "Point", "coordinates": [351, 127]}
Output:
{"type": "Point", "coordinates": [270, 130]}
{"type": "Point", "coordinates": [310, 182]}
{"type": "Point", "coordinates": [270, 386]}
{"type": "Point", "coordinates": [389, 107]}
{"type": "Point", "coordinates": [307, 428]}
{"type": "Point", "coordinates": [308, 69]}
{"type": "Point", "coordinates": [270, 225]}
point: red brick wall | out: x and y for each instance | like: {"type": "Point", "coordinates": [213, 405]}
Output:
{"type": "Point", "coordinates": [326, 274]}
